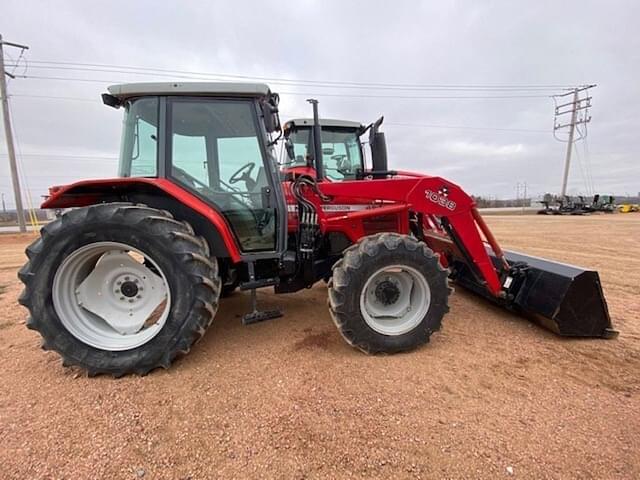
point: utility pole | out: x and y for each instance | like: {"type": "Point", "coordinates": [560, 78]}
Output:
{"type": "Point", "coordinates": [567, 158]}
{"type": "Point", "coordinates": [576, 105]}
{"type": "Point", "coordinates": [9, 133]}
{"type": "Point", "coordinates": [4, 207]}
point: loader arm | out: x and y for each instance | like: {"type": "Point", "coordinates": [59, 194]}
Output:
{"type": "Point", "coordinates": [450, 215]}
{"type": "Point", "coordinates": [565, 299]}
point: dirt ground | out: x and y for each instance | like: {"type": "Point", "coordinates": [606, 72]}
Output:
{"type": "Point", "coordinates": [491, 396]}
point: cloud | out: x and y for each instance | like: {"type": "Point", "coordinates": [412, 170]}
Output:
{"type": "Point", "coordinates": [447, 43]}
{"type": "Point", "coordinates": [480, 149]}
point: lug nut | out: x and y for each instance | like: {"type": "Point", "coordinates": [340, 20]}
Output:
{"type": "Point", "coordinates": [121, 298]}
{"type": "Point", "coordinates": [119, 282]}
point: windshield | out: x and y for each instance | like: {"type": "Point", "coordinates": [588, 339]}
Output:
{"type": "Point", "coordinates": [341, 154]}
{"type": "Point", "coordinates": [139, 151]}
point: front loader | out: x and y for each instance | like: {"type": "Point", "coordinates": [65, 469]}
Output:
{"type": "Point", "coordinates": [130, 277]}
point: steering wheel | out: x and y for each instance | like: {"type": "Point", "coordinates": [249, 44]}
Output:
{"type": "Point", "coordinates": [343, 164]}
{"type": "Point", "coordinates": [237, 177]}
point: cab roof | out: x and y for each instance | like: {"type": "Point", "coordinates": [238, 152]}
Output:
{"type": "Point", "coordinates": [324, 122]}
{"type": "Point", "coordinates": [223, 89]}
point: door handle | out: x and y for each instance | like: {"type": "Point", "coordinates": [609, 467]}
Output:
{"type": "Point", "coordinates": [266, 197]}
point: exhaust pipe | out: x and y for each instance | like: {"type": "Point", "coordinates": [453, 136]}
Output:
{"type": "Point", "coordinates": [565, 299]}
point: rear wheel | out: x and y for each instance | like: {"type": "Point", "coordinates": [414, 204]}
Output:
{"type": "Point", "coordinates": [119, 288]}
{"type": "Point", "coordinates": [388, 293]}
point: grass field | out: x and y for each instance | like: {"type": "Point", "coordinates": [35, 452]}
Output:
{"type": "Point", "coordinates": [491, 396]}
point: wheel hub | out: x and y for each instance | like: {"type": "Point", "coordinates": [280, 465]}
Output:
{"type": "Point", "coordinates": [129, 289]}
{"type": "Point", "coordinates": [395, 299]}
{"type": "Point", "coordinates": [387, 292]}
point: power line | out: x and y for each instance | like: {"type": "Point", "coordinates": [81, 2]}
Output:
{"type": "Point", "coordinates": [55, 155]}
{"type": "Point", "coordinates": [585, 180]}
{"type": "Point", "coordinates": [461, 127]}
{"type": "Point", "coordinates": [97, 101]}
{"type": "Point", "coordinates": [413, 125]}
{"type": "Point", "coordinates": [405, 86]}
{"type": "Point", "coordinates": [322, 94]}
{"type": "Point", "coordinates": [72, 177]}
{"type": "Point", "coordinates": [53, 97]}
{"type": "Point", "coordinates": [413, 97]}
{"type": "Point", "coordinates": [92, 80]}
{"type": "Point", "coordinates": [216, 76]}
{"type": "Point", "coordinates": [585, 147]}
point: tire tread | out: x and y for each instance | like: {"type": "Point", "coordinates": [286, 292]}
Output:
{"type": "Point", "coordinates": [342, 286]}
{"type": "Point", "coordinates": [185, 245]}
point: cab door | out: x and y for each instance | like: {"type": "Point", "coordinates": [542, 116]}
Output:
{"type": "Point", "coordinates": [216, 149]}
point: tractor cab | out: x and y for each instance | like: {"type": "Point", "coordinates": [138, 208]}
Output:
{"type": "Point", "coordinates": [213, 140]}
{"type": "Point", "coordinates": [343, 149]}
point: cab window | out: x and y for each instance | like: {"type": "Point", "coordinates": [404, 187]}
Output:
{"type": "Point", "coordinates": [341, 152]}
{"type": "Point", "coordinates": [139, 151]}
{"type": "Point", "coordinates": [215, 152]}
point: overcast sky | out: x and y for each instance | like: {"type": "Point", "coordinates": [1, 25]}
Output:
{"type": "Point", "coordinates": [510, 43]}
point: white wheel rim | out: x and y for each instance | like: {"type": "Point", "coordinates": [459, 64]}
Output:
{"type": "Point", "coordinates": [106, 297]}
{"type": "Point", "coordinates": [395, 299]}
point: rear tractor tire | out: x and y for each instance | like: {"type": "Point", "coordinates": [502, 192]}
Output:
{"type": "Point", "coordinates": [118, 288]}
{"type": "Point", "coordinates": [388, 293]}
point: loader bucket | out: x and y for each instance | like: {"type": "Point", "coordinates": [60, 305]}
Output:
{"type": "Point", "coordinates": [565, 299]}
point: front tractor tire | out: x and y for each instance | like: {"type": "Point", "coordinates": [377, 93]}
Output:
{"type": "Point", "coordinates": [118, 288]}
{"type": "Point", "coordinates": [388, 293]}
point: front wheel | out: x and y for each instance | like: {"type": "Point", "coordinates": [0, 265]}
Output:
{"type": "Point", "coordinates": [119, 288]}
{"type": "Point", "coordinates": [388, 293]}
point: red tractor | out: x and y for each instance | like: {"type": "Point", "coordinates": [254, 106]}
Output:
{"type": "Point", "coordinates": [130, 277]}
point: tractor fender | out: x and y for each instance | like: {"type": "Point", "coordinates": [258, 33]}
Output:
{"type": "Point", "coordinates": [158, 193]}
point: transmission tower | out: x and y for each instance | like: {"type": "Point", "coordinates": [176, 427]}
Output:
{"type": "Point", "coordinates": [578, 108]}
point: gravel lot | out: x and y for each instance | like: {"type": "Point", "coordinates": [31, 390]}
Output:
{"type": "Point", "coordinates": [491, 396]}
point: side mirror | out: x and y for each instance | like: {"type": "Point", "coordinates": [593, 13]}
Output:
{"type": "Point", "coordinates": [378, 147]}
{"type": "Point", "coordinates": [374, 127]}
{"type": "Point", "coordinates": [270, 112]}
{"type": "Point", "coordinates": [379, 152]}
{"type": "Point", "coordinates": [111, 100]}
